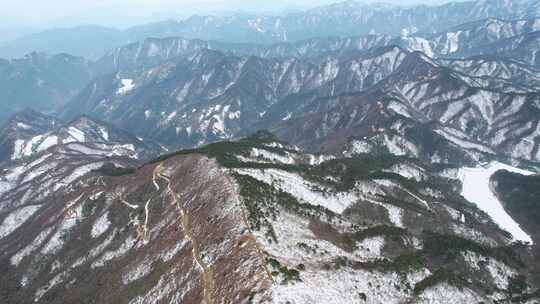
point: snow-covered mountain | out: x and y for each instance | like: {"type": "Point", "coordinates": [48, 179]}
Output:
{"type": "Point", "coordinates": [210, 96]}
{"type": "Point", "coordinates": [153, 51]}
{"type": "Point", "coordinates": [349, 18]}
{"type": "Point", "coordinates": [475, 37]}
{"type": "Point", "coordinates": [28, 133]}
{"type": "Point", "coordinates": [498, 73]}
{"type": "Point", "coordinates": [298, 228]}
{"type": "Point", "coordinates": [401, 162]}
{"type": "Point", "coordinates": [41, 82]}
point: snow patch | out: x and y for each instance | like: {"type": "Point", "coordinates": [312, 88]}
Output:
{"type": "Point", "coordinates": [476, 189]}
{"type": "Point", "coordinates": [101, 225]}
{"type": "Point", "coordinates": [16, 218]}
{"type": "Point", "coordinates": [127, 86]}
{"type": "Point", "coordinates": [448, 294]}
{"type": "Point", "coordinates": [305, 191]}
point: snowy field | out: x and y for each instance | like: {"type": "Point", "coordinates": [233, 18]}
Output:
{"type": "Point", "coordinates": [476, 189]}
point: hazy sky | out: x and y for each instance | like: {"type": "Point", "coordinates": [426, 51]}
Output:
{"type": "Point", "coordinates": [119, 13]}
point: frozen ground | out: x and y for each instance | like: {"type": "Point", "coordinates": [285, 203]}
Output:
{"type": "Point", "coordinates": [476, 189]}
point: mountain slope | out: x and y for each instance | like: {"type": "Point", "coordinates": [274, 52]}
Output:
{"type": "Point", "coordinates": [25, 124]}
{"type": "Point", "coordinates": [90, 42]}
{"type": "Point", "coordinates": [210, 96]}
{"type": "Point", "coordinates": [153, 51]}
{"type": "Point", "coordinates": [42, 82]}
{"type": "Point", "coordinates": [343, 19]}
{"type": "Point", "coordinates": [469, 38]}
{"type": "Point", "coordinates": [29, 133]}
{"type": "Point", "coordinates": [298, 227]}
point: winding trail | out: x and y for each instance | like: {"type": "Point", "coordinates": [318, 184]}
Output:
{"type": "Point", "coordinates": [207, 272]}
{"type": "Point", "coordinates": [147, 216]}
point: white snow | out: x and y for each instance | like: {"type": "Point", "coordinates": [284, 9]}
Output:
{"type": "Point", "coordinates": [76, 134]}
{"type": "Point", "coordinates": [476, 189]}
{"type": "Point", "coordinates": [452, 42]}
{"type": "Point", "coordinates": [141, 270]}
{"type": "Point", "coordinates": [48, 142]}
{"type": "Point", "coordinates": [56, 242]}
{"type": "Point", "coordinates": [23, 148]}
{"type": "Point", "coordinates": [408, 171]}
{"type": "Point", "coordinates": [127, 85]}
{"type": "Point", "coordinates": [111, 255]}
{"type": "Point", "coordinates": [399, 146]}
{"type": "Point", "coordinates": [234, 115]}
{"type": "Point", "coordinates": [358, 147]}
{"type": "Point", "coordinates": [101, 225]}
{"type": "Point", "coordinates": [59, 278]}
{"type": "Point", "coordinates": [345, 286]}
{"type": "Point", "coordinates": [77, 173]}
{"type": "Point", "coordinates": [261, 155]}
{"type": "Point", "coordinates": [472, 234]}
{"type": "Point", "coordinates": [104, 133]}
{"type": "Point", "coordinates": [287, 116]}
{"type": "Point", "coordinates": [18, 147]}
{"type": "Point", "coordinates": [499, 271]}
{"type": "Point", "coordinates": [315, 160]}
{"type": "Point", "coordinates": [15, 219]}
{"type": "Point", "coordinates": [19, 256]}
{"type": "Point", "coordinates": [395, 214]}
{"type": "Point", "coordinates": [400, 109]}
{"type": "Point", "coordinates": [96, 251]}
{"type": "Point", "coordinates": [302, 189]}
{"type": "Point", "coordinates": [446, 294]}
{"type": "Point", "coordinates": [23, 126]}
{"type": "Point", "coordinates": [463, 142]}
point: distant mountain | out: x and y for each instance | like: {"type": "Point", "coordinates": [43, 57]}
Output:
{"type": "Point", "coordinates": [90, 42]}
{"type": "Point", "coordinates": [211, 96]}
{"type": "Point", "coordinates": [524, 47]}
{"type": "Point", "coordinates": [41, 82]}
{"type": "Point", "coordinates": [508, 40]}
{"type": "Point", "coordinates": [23, 125]}
{"type": "Point", "coordinates": [477, 37]}
{"type": "Point", "coordinates": [342, 19]}
{"type": "Point", "coordinates": [498, 73]}
{"type": "Point", "coordinates": [153, 51]}
{"type": "Point", "coordinates": [28, 133]}
{"type": "Point", "coordinates": [45, 83]}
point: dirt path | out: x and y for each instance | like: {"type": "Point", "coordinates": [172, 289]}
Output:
{"type": "Point", "coordinates": [207, 272]}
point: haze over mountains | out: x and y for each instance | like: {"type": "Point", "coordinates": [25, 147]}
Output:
{"type": "Point", "coordinates": [341, 19]}
{"type": "Point", "coordinates": [351, 153]}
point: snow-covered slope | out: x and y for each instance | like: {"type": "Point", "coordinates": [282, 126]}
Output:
{"type": "Point", "coordinates": [209, 96]}
{"type": "Point", "coordinates": [477, 189]}
{"type": "Point", "coordinates": [30, 133]}
{"type": "Point", "coordinates": [254, 220]}
{"type": "Point", "coordinates": [348, 18]}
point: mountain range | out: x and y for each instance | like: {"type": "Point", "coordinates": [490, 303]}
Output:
{"type": "Point", "coordinates": [352, 153]}
{"type": "Point", "coordinates": [350, 18]}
